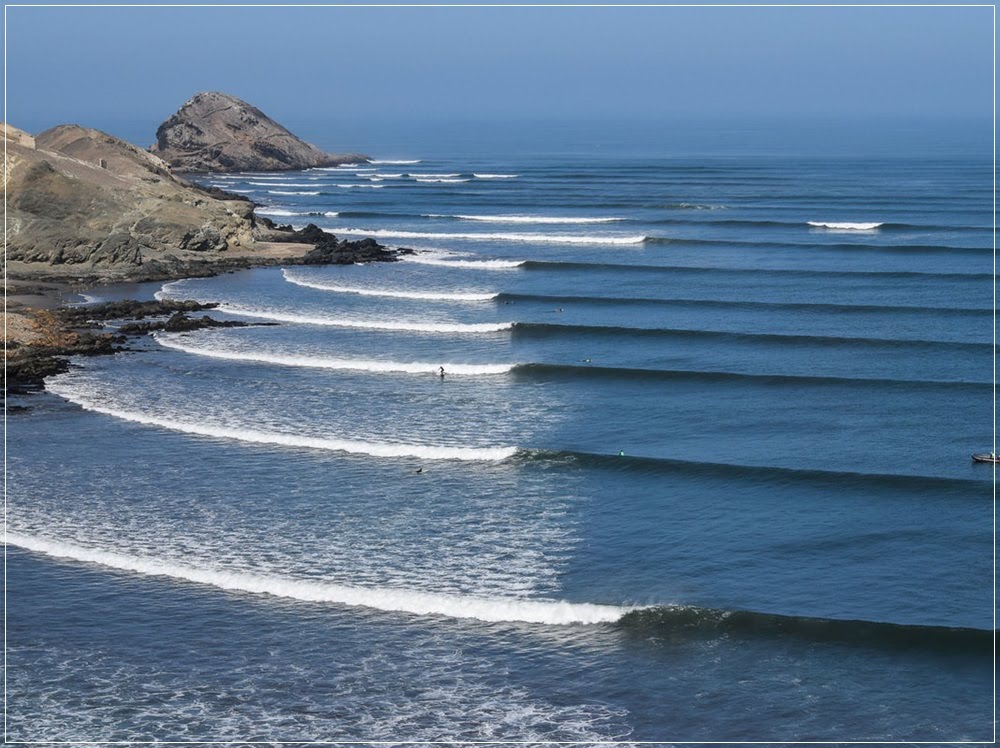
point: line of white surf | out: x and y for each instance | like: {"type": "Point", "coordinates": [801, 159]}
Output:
{"type": "Point", "coordinates": [284, 212]}
{"type": "Point", "coordinates": [528, 219]}
{"type": "Point", "coordinates": [390, 161]}
{"type": "Point", "coordinates": [492, 610]}
{"type": "Point", "coordinates": [495, 176]}
{"type": "Point", "coordinates": [844, 225]}
{"type": "Point", "coordinates": [423, 258]}
{"type": "Point", "coordinates": [367, 324]}
{"type": "Point", "coordinates": [421, 295]}
{"type": "Point", "coordinates": [253, 436]}
{"type": "Point", "coordinates": [343, 364]}
{"type": "Point", "coordinates": [510, 237]}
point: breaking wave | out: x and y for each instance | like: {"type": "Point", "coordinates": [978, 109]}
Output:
{"type": "Point", "coordinates": [443, 260]}
{"type": "Point", "coordinates": [425, 295]}
{"type": "Point", "coordinates": [845, 225]}
{"type": "Point", "coordinates": [369, 186]}
{"type": "Point", "coordinates": [253, 436]}
{"type": "Point", "coordinates": [179, 343]}
{"type": "Point", "coordinates": [367, 324]}
{"type": "Point", "coordinates": [495, 176]}
{"type": "Point", "coordinates": [510, 237]}
{"type": "Point", "coordinates": [394, 162]}
{"type": "Point", "coordinates": [284, 212]}
{"type": "Point", "coordinates": [527, 219]}
{"type": "Point", "coordinates": [492, 610]}
{"type": "Point", "coordinates": [436, 180]}
{"type": "Point", "coordinates": [673, 621]}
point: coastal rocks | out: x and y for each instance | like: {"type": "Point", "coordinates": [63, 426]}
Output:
{"type": "Point", "coordinates": [62, 333]}
{"type": "Point", "coordinates": [328, 250]}
{"type": "Point", "coordinates": [215, 132]}
{"type": "Point", "coordinates": [88, 205]}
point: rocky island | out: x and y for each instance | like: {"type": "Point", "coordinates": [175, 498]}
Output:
{"type": "Point", "coordinates": [85, 207]}
{"type": "Point", "coordinates": [216, 132]}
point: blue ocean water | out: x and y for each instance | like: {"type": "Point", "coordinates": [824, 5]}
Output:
{"type": "Point", "coordinates": [698, 468]}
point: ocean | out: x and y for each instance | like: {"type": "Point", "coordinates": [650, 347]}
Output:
{"type": "Point", "coordinates": [698, 467]}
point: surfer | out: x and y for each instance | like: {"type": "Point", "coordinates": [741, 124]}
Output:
{"type": "Point", "coordinates": [441, 372]}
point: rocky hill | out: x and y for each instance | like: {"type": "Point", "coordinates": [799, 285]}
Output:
{"type": "Point", "coordinates": [217, 132]}
{"type": "Point", "coordinates": [85, 206]}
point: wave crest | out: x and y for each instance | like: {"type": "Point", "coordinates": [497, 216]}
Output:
{"type": "Point", "coordinates": [491, 610]}
{"type": "Point", "coordinates": [510, 237]}
{"type": "Point", "coordinates": [367, 324]}
{"type": "Point", "coordinates": [253, 436]}
{"type": "Point", "coordinates": [344, 364]}
{"type": "Point", "coordinates": [845, 225]}
{"type": "Point", "coordinates": [387, 293]}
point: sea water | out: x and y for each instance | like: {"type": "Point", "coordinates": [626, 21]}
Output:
{"type": "Point", "coordinates": [697, 469]}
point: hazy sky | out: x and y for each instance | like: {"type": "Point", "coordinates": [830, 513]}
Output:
{"type": "Point", "coordinates": [129, 68]}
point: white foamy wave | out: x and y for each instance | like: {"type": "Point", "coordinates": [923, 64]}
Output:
{"type": "Point", "coordinates": [278, 212]}
{"type": "Point", "coordinates": [492, 610]}
{"type": "Point", "coordinates": [283, 184]}
{"type": "Point", "coordinates": [426, 295]}
{"type": "Point", "coordinates": [538, 238]}
{"type": "Point", "coordinates": [495, 176]}
{"type": "Point", "coordinates": [367, 324]}
{"type": "Point", "coordinates": [285, 192]}
{"type": "Point", "coordinates": [253, 436]}
{"type": "Point", "coordinates": [417, 175]}
{"type": "Point", "coordinates": [527, 219]}
{"type": "Point", "coordinates": [380, 175]}
{"type": "Point", "coordinates": [179, 343]}
{"type": "Point", "coordinates": [440, 180]}
{"type": "Point", "coordinates": [845, 225]}
{"type": "Point", "coordinates": [370, 186]}
{"type": "Point", "coordinates": [444, 260]}
{"type": "Point", "coordinates": [167, 290]}
{"type": "Point", "coordinates": [393, 162]}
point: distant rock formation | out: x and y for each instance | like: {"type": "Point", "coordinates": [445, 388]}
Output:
{"type": "Point", "coordinates": [215, 132]}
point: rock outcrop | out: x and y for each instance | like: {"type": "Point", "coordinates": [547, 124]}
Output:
{"type": "Point", "coordinates": [85, 206]}
{"type": "Point", "coordinates": [216, 132]}
{"type": "Point", "coordinates": [97, 205]}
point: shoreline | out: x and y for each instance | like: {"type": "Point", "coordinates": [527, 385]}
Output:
{"type": "Point", "coordinates": [43, 328]}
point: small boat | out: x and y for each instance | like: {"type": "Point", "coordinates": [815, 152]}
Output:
{"type": "Point", "coordinates": [986, 457]}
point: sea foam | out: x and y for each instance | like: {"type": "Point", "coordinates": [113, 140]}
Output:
{"type": "Point", "coordinates": [492, 610]}
{"type": "Point", "coordinates": [180, 343]}
{"type": "Point", "coordinates": [510, 237]}
{"type": "Point", "coordinates": [367, 324]}
{"type": "Point", "coordinates": [254, 436]}
{"type": "Point", "coordinates": [394, 162]}
{"type": "Point", "coordinates": [845, 225]}
{"type": "Point", "coordinates": [444, 260]}
{"type": "Point", "coordinates": [527, 219]}
{"type": "Point", "coordinates": [392, 294]}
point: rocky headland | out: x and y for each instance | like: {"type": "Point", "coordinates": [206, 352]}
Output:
{"type": "Point", "coordinates": [86, 208]}
{"type": "Point", "coordinates": [217, 132]}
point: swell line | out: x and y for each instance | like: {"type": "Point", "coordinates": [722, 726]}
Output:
{"type": "Point", "coordinates": [699, 269]}
{"type": "Point", "coordinates": [493, 610]}
{"type": "Point", "coordinates": [320, 362]}
{"type": "Point", "coordinates": [541, 329]}
{"type": "Point", "coordinates": [367, 324]}
{"type": "Point", "coordinates": [253, 436]}
{"type": "Point", "coordinates": [391, 294]}
{"type": "Point", "coordinates": [511, 237]}
{"type": "Point", "coordinates": [674, 621]}
{"type": "Point", "coordinates": [575, 371]}
{"type": "Point", "coordinates": [679, 620]}
{"type": "Point", "coordinates": [771, 473]}
{"type": "Point", "coordinates": [749, 305]}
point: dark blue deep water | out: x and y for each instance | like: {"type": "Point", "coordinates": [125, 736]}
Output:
{"type": "Point", "coordinates": [698, 468]}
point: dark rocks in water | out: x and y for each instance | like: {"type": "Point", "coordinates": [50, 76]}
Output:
{"type": "Point", "coordinates": [128, 309]}
{"type": "Point", "coordinates": [26, 372]}
{"type": "Point", "coordinates": [329, 250]}
{"type": "Point", "coordinates": [181, 322]}
{"type": "Point", "coordinates": [214, 132]}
